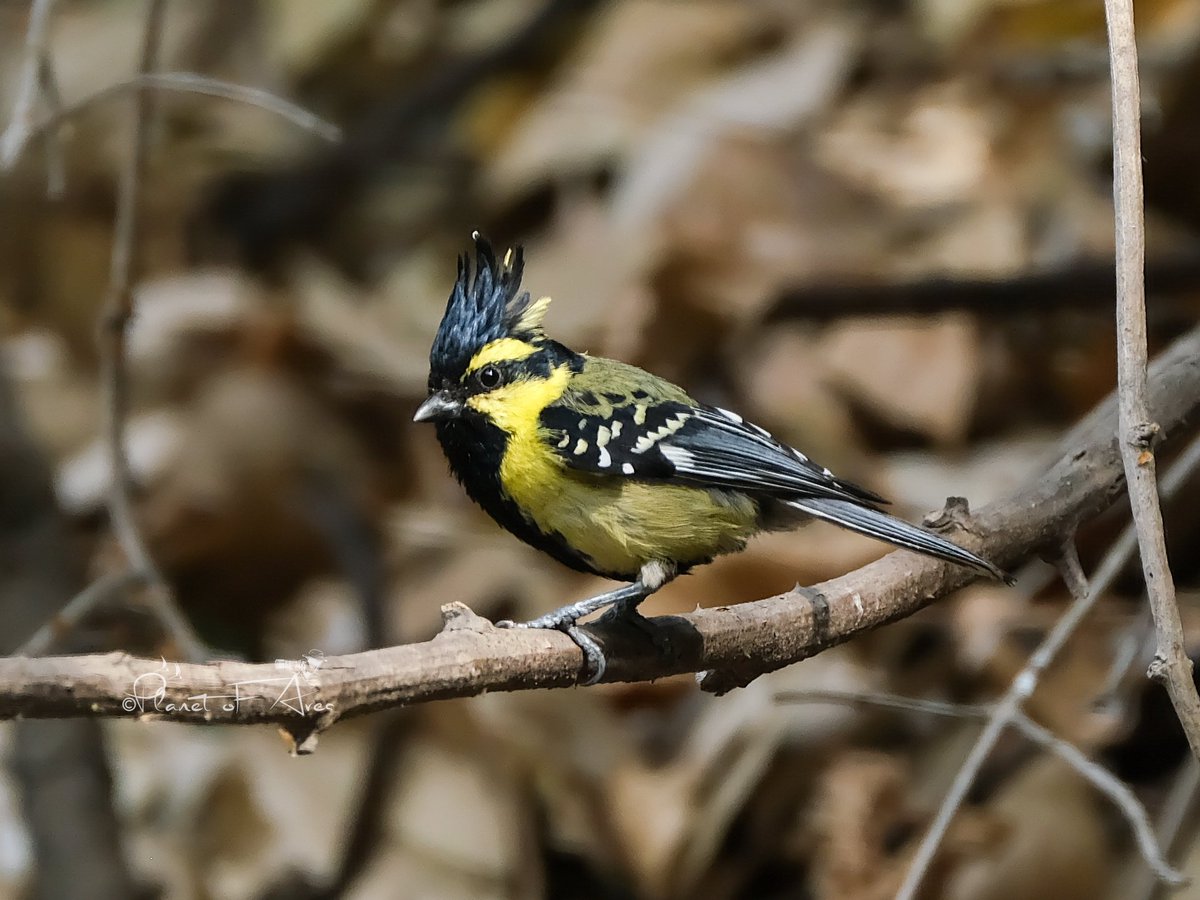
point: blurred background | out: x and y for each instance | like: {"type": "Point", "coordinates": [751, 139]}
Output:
{"type": "Point", "coordinates": [882, 229]}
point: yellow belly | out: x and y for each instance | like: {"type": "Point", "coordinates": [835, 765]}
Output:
{"type": "Point", "coordinates": [622, 524]}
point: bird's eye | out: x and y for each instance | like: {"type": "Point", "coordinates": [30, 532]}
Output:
{"type": "Point", "coordinates": [489, 377]}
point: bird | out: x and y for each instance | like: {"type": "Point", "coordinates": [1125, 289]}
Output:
{"type": "Point", "coordinates": [610, 469]}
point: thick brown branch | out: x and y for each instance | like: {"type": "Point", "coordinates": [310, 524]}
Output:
{"type": "Point", "coordinates": [731, 644]}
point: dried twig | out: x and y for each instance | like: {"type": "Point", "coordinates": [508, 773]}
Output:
{"type": "Point", "coordinates": [194, 83]}
{"type": "Point", "coordinates": [1095, 774]}
{"type": "Point", "coordinates": [118, 310]}
{"type": "Point", "coordinates": [56, 160]}
{"type": "Point", "coordinates": [101, 591]}
{"type": "Point", "coordinates": [20, 127]}
{"type": "Point", "coordinates": [1086, 284]}
{"type": "Point", "coordinates": [1008, 708]}
{"type": "Point", "coordinates": [733, 644]}
{"type": "Point", "coordinates": [1181, 800]}
{"type": "Point", "coordinates": [1171, 665]}
{"type": "Point", "coordinates": [1113, 788]}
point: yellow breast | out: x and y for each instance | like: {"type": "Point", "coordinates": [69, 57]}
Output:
{"type": "Point", "coordinates": [619, 523]}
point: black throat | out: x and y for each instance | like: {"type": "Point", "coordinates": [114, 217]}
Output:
{"type": "Point", "coordinates": [475, 447]}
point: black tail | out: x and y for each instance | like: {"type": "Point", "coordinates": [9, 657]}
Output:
{"type": "Point", "coordinates": [880, 525]}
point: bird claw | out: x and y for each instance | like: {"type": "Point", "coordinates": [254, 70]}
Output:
{"type": "Point", "coordinates": [594, 661]}
{"type": "Point", "coordinates": [627, 614]}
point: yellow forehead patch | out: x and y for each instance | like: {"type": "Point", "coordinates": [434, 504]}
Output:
{"type": "Point", "coordinates": [501, 350]}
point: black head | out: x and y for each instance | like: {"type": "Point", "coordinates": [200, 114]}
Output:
{"type": "Point", "coordinates": [484, 306]}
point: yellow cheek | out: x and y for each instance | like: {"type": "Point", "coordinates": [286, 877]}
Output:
{"type": "Point", "coordinates": [517, 407]}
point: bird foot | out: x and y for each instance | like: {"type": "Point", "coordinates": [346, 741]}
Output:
{"type": "Point", "coordinates": [594, 663]}
{"type": "Point", "coordinates": [625, 613]}
{"type": "Point", "coordinates": [623, 603]}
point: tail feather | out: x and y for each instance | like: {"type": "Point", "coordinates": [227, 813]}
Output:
{"type": "Point", "coordinates": [881, 526]}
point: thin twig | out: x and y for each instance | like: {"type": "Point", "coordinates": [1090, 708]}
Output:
{"type": "Point", "coordinates": [1115, 789]}
{"type": "Point", "coordinates": [97, 594]}
{"type": "Point", "coordinates": [16, 135]}
{"type": "Point", "coordinates": [56, 160]}
{"type": "Point", "coordinates": [1181, 799]}
{"type": "Point", "coordinates": [194, 83]}
{"type": "Point", "coordinates": [1171, 665]}
{"type": "Point", "coordinates": [118, 310]}
{"type": "Point", "coordinates": [1096, 775]}
{"type": "Point", "coordinates": [1006, 710]}
{"type": "Point", "coordinates": [943, 708]}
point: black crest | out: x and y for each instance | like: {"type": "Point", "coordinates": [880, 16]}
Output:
{"type": "Point", "coordinates": [484, 306]}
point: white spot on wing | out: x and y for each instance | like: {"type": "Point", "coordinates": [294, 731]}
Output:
{"type": "Point", "coordinates": [602, 436]}
{"type": "Point", "coordinates": [581, 447]}
{"type": "Point", "coordinates": [627, 468]}
{"type": "Point", "coordinates": [616, 428]}
{"type": "Point", "coordinates": [566, 439]}
{"type": "Point", "coordinates": [680, 458]}
{"type": "Point", "coordinates": [605, 460]}
{"type": "Point", "coordinates": [639, 414]}
{"type": "Point", "coordinates": [672, 425]}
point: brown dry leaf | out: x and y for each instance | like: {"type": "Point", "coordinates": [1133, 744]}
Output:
{"type": "Point", "coordinates": [594, 274]}
{"type": "Point", "coordinates": [1049, 25]}
{"type": "Point", "coordinates": [741, 232]}
{"type": "Point", "coordinates": [634, 63]}
{"type": "Point", "coordinates": [862, 804]}
{"type": "Point", "coordinates": [216, 813]}
{"type": "Point", "coordinates": [1056, 845]}
{"type": "Point", "coordinates": [921, 376]}
{"type": "Point", "coordinates": [926, 151]}
{"type": "Point", "coordinates": [234, 518]}
{"type": "Point", "coordinates": [785, 385]}
{"type": "Point", "coordinates": [302, 32]}
{"type": "Point", "coordinates": [1066, 700]}
{"type": "Point", "coordinates": [497, 578]}
{"type": "Point", "coordinates": [457, 812]}
{"type": "Point", "coordinates": [991, 239]}
{"type": "Point", "coordinates": [325, 615]}
{"type": "Point", "coordinates": [749, 100]}
{"type": "Point", "coordinates": [673, 817]}
{"type": "Point", "coordinates": [982, 616]}
{"type": "Point", "coordinates": [568, 746]}
{"type": "Point", "coordinates": [152, 442]}
{"type": "Point", "coordinates": [60, 404]}
{"type": "Point", "coordinates": [920, 481]}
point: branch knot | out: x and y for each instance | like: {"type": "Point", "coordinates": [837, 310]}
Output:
{"type": "Point", "coordinates": [955, 515]}
{"type": "Point", "coordinates": [1145, 435]}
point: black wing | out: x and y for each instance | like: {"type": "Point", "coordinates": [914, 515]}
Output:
{"type": "Point", "coordinates": [712, 447]}
{"type": "Point", "coordinates": [701, 445]}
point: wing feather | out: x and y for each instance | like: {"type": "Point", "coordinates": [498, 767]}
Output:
{"type": "Point", "coordinates": [701, 445]}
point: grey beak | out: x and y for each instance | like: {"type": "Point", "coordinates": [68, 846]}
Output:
{"type": "Point", "coordinates": [439, 406]}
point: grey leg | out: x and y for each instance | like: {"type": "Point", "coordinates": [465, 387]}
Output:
{"type": "Point", "coordinates": [623, 600]}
